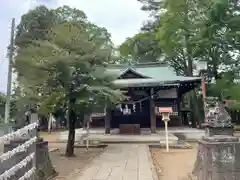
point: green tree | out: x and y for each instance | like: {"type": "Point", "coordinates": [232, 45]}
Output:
{"type": "Point", "coordinates": [67, 71]}
{"type": "Point", "coordinates": [64, 68]}
{"type": "Point", "coordinates": [191, 31]}
{"type": "Point", "coordinates": [34, 25]}
{"type": "Point", "coordinates": [218, 39]}
{"type": "Point", "coordinates": [208, 27]}
{"type": "Point", "coordinates": [37, 24]}
{"type": "Point", "coordinates": [13, 108]}
{"type": "Point", "coordinates": [143, 47]}
{"type": "Point", "coordinates": [2, 106]}
{"type": "Point", "coordinates": [176, 25]}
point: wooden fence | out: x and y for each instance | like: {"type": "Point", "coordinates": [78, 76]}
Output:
{"type": "Point", "coordinates": [18, 161]}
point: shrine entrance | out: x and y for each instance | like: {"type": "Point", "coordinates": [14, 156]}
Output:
{"type": "Point", "coordinates": [147, 86]}
{"type": "Point", "coordinates": [140, 116]}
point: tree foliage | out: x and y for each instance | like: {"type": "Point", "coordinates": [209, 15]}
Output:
{"type": "Point", "coordinates": [189, 31]}
{"type": "Point", "coordinates": [64, 67]}
{"type": "Point", "coordinates": [141, 48]}
{"type": "Point", "coordinates": [2, 105]}
{"type": "Point", "coordinates": [192, 31]}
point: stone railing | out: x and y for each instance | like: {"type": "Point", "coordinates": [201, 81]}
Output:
{"type": "Point", "coordinates": [19, 158]}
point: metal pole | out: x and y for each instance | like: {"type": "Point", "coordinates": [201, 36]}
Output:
{"type": "Point", "coordinates": [9, 80]}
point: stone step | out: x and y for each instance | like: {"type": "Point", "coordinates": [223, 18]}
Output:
{"type": "Point", "coordinates": [147, 139]}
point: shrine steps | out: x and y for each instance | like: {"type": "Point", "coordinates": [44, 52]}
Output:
{"type": "Point", "coordinates": [98, 136]}
{"type": "Point", "coordinates": [121, 138]}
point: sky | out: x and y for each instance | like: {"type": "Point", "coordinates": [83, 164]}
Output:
{"type": "Point", "coordinates": [122, 18]}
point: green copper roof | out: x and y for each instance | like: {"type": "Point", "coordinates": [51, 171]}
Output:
{"type": "Point", "coordinates": [150, 70]}
{"type": "Point", "coordinates": [155, 74]}
{"type": "Point", "coordinates": [149, 82]}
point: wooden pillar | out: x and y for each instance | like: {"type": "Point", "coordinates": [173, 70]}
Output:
{"type": "Point", "coordinates": [152, 113]}
{"type": "Point", "coordinates": [179, 107]}
{"type": "Point", "coordinates": [108, 117]}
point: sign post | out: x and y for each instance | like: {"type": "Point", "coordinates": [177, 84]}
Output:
{"type": "Point", "coordinates": [165, 111]}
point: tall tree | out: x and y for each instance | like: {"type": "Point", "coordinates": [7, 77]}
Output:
{"type": "Point", "coordinates": [175, 24]}
{"type": "Point", "coordinates": [39, 22]}
{"type": "Point", "coordinates": [66, 69]}
{"type": "Point", "coordinates": [190, 31]}
{"type": "Point", "coordinates": [218, 39]}
{"type": "Point", "coordinates": [34, 25]}
{"type": "Point", "coordinates": [143, 47]}
{"type": "Point", "coordinates": [210, 25]}
{"type": "Point", "coordinates": [2, 105]}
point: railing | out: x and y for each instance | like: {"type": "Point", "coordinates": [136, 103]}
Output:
{"type": "Point", "coordinates": [19, 162]}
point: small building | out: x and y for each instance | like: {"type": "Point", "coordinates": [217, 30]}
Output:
{"type": "Point", "coordinates": [148, 86]}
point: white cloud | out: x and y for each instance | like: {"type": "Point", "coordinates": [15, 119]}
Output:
{"type": "Point", "coordinates": [10, 9]}
{"type": "Point", "coordinates": [122, 18]}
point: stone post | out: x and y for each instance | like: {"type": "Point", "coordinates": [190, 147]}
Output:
{"type": "Point", "coordinates": [218, 156]}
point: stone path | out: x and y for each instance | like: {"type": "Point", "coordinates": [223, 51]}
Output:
{"type": "Point", "coordinates": [120, 162]}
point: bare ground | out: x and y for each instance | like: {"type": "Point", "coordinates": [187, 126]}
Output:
{"type": "Point", "coordinates": [175, 165]}
{"type": "Point", "coordinates": [67, 168]}
{"type": "Point", "coordinates": [52, 137]}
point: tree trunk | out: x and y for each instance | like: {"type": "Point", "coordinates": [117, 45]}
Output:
{"type": "Point", "coordinates": [193, 98]}
{"type": "Point", "coordinates": [50, 124]}
{"type": "Point", "coordinates": [71, 131]}
{"type": "Point", "coordinates": [215, 71]}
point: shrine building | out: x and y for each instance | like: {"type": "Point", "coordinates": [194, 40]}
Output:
{"type": "Point", "coordinates": [148, 86]}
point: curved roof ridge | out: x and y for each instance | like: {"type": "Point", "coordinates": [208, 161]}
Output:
{"type": "Point", "coordinates": [151, 64]}
{"type": "Point", "coordinates": [134, 71]}
{"type": "Point", "coordinates": [139, 65]}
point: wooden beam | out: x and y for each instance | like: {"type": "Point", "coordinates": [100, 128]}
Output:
{"type": "Point", "coordinates": [152, 113]}
{"type": "Point", "coordinates": [179, 106]}
{"type": "Point", "coordinates": [108, 118]}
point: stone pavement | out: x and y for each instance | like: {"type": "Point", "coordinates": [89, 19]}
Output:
{"type": "Point", "coordinates": [121, 162]}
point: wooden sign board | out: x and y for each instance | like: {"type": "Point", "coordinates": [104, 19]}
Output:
{"type": "Point", "coordinates": [170, 93]}
{"type": "Point", "coordinates": [165, 109]}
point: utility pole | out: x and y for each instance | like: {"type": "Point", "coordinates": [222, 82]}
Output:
{"type": "Point", "coordinates": [9, 80]}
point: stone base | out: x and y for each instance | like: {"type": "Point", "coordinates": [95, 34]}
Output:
{"type": "Point", "coordinates": [211, 131]}
{"type": "Point", "coordinates": [45, 169]}
{"type": "Point", "coordinates": [218, 158]}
